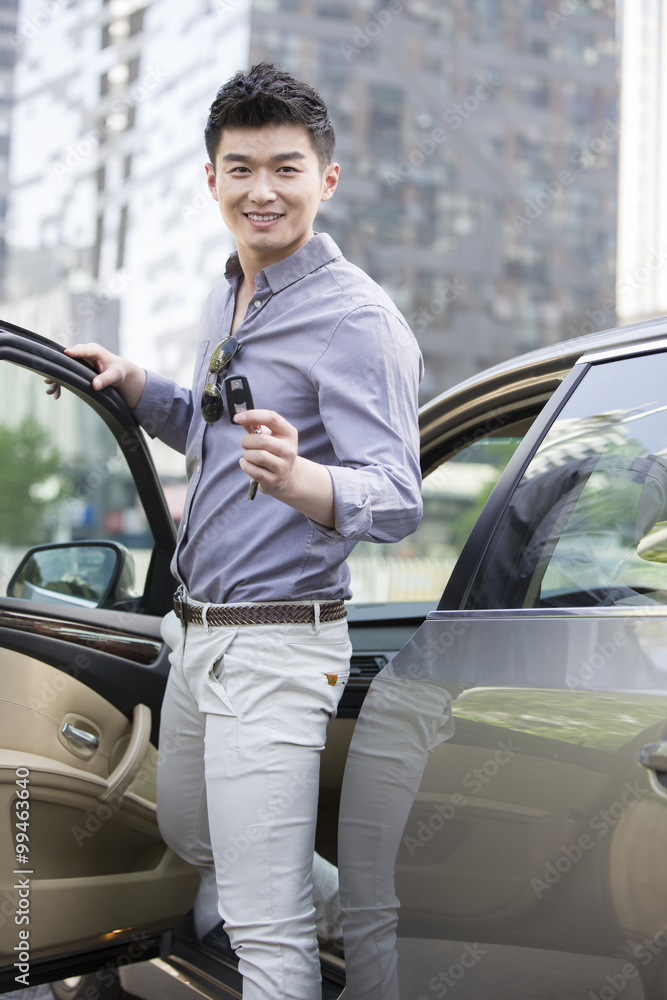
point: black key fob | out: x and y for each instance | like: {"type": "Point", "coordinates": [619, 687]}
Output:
{"type": "Point", "coordinates": [237, 395]}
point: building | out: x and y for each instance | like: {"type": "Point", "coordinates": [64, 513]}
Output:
{"type": "Point", "coordinates": [642, 223]}
{"type": "Point", "coordinates": [479, 144]}
{"type": "Point", "coordinates": [478, 141]}
{"type": "Point", "coordinates": [10, 44]}
{"type": "Point", "coordinates": [114, 235]}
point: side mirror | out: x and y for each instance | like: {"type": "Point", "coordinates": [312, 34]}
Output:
{"type": "Point", "coordinates": [83, 574]}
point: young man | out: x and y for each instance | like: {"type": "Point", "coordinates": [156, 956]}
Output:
{"type": "Point", "coordinates": [260, 652]}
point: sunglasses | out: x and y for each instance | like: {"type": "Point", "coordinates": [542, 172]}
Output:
{"type": "Point", "coordinates": [212, 402]}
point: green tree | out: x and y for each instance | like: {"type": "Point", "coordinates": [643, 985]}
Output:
{"type": "Point", "coordinates": [493, 452]}
{"type": "Point", "coordinates": [27, 461]}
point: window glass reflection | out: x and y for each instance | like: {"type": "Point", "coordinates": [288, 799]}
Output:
{"type": "Point", "coordinates": [587, 524]}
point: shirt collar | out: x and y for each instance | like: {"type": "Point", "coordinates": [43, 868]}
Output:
{"type": "Point", "coordinates": [319, 250]}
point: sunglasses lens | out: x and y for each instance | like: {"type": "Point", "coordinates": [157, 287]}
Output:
{"type": "Point", "coordinates": [212, 404]}
{"type": "Point", "coordinates": [223, 354]}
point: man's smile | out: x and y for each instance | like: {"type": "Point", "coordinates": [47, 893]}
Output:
{"type": "Point", "coordinates": [263, 217]}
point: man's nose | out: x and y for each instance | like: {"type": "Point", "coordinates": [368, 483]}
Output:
{"type": "Point", "coordinates": [261, 189]}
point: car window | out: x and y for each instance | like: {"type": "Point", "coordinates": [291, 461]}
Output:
{"type": "Point", "coordinates": [65, 482]}
{"type": "Point", "coordinates": [587, 524]}
{"type": "Point", "coordinates": [418, 567]}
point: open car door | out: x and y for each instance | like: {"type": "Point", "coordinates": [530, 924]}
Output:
{"type": "Point", "coordinates": [85, 544]}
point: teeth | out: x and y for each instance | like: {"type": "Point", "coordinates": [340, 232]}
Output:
{"type": "Point", "coordinates": [262, 218]}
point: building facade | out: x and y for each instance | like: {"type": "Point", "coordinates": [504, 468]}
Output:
{"type": "Point", "coordinates": [479, 145]}
{"type": "Point", "coordinates": [642, 223]}
{"type": "Point", "coordinates": [478, 141]}
{"type": "Point", "coordinates": [10, 46]}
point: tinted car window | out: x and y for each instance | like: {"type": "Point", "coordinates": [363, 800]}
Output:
{"type": "Point", "coordinates": [64, 480]}
{"type": "Point", "coordinates": [587, 524]}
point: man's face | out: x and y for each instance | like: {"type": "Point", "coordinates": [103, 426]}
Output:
{"type": "Point", "coordinates": [269, 185]}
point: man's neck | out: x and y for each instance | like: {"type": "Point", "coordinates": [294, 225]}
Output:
{"type": "Point", "coordinates": [252, 263]}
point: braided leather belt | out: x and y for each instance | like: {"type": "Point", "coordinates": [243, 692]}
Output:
{"type": "Point", "coordinates": [258, 614]}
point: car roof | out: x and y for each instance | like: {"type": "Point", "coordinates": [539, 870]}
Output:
{"type": "Point", "coordinates": [516, 389]}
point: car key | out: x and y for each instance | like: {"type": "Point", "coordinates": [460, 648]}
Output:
{"type": "Point", "coordinates": [239, 398]}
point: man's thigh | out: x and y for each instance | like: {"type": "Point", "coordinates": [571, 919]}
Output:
{"type": "Point", "coordinates": [262, 760]}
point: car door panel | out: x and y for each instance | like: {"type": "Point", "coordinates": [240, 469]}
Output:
{"type": "Point", "coordinates": [80, 695]}
{"type": "Point", "coordinates": [494, 792]}
{"type": "Point", "coordinates": [520, 815]}
{"type": "Point", "coordinates": [119, 655]}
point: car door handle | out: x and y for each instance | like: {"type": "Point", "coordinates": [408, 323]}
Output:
{"type": "Point", "coordinates": [654, 756]}
{"type": "Point", "coordinates": [125, 771]}
{"type": "Point", "coordinates": [87, 740]}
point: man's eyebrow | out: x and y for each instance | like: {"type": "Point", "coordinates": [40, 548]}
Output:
{"type": "Point", "coordinates": [296, 155]}
{"type": "Point", "coordinates": [278, 158]}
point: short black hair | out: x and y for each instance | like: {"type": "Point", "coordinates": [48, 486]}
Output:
{"type": "Point", "coordinates": [268, 95]}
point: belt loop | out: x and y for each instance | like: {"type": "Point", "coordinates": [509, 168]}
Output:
{"type": "Point", "coordinates": [316, 611]}
{"type": "Point", "coordinates": [204, 619]}
{"type": "Point", "coordinates": [181, 596]}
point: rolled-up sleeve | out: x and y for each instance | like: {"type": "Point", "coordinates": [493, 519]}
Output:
{"type": "Point", "coordinates": [165, 411]}
{"type": "Point", "coordinates": [367, 381]}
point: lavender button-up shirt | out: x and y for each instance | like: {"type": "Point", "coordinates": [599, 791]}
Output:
{"type": "Point", "coordinates": [325, 347]}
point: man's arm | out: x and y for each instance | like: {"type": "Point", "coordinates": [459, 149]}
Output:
{"type": "Point", "coordinates": [367, 381]}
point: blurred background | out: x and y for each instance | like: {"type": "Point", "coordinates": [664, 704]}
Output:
{"type": "Point", "coordinates": [503, 176]}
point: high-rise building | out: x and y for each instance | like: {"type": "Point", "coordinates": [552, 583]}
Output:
{"type": "Point", "coordinates": [10, 43]}
{"type": "Point", "coordinates": [642, 221]}
{"type": "Point", "coordinates": [479, 145]}
{"type": "Point", "coordinates": [478, 141]}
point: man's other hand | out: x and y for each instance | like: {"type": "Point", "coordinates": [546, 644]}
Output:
{"type": "Point", "coordinates": [129, 379]}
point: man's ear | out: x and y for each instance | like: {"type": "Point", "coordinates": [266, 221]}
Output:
{"type": "Point", "coordinates": [210, 179]}
{"type": "Point", "coordinates": [330, 180]}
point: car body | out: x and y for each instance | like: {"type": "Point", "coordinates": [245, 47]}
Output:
{"type": "Point", "coordinates": [497, 760]}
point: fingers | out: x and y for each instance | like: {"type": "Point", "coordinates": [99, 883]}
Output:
{"type": "Point", "coordinates": [53, 388]}
{"type": "Point", "coordinates": [267, 418]}
{"type": "Point", "coordinates": [268, 457]}
{"type": "Point", "coordinates": [110, 372]}
{"type": "Point", "coordinates": [89, 351]}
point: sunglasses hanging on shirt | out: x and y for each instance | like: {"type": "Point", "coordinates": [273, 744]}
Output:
{"type": "Point", "coordinates": [212, 402]}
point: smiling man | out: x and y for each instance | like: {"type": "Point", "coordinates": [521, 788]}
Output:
{"type": "Point", "coordinates": [260, 652]}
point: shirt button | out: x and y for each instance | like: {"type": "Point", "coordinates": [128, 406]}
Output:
{"type": "Point", "coordinates": [257, 303]}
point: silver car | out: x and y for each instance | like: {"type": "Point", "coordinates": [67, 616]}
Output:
{"type": "Point", "coordinates": [493, 787]}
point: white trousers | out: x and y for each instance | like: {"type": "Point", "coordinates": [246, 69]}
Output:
{"type": "Point", "coordinates": [243, 725]}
